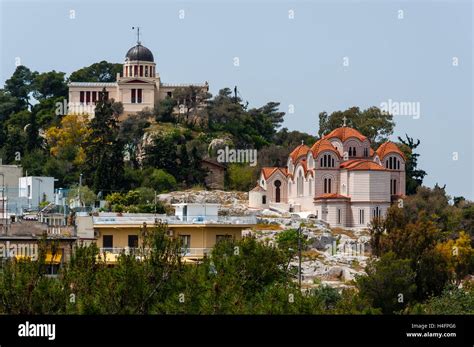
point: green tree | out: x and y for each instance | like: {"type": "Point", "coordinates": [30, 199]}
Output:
{"type": "Point", "coordinates": [161, 153]}
{"type": "Point", "coordinates": [372, 122]}
{"type": "Point", "coordinates": [104, 167]}
{"type": "Point", "coordinates": [161, 181]}
{"type": "Point", "coordinates": [241, 177]}
{"type": "Point", "coordinates": [389, 284]}
{"type": "Point", "coordinates": [50, 84]}
{"type": "Point", "coordinates": [414, 176]}
{"type": "Point", "coordinates": [97, 72]}
{"type": "Point", "coordinates": [20, 85]}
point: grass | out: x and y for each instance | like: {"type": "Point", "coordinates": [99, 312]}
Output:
{"type": "Point", "coordinates": [340, 231]}
{"type": "Point", "coordinates": [267, 227]}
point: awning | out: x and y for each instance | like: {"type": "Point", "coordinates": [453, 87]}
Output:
{"type": "Point", "coordinates": [53, 260]}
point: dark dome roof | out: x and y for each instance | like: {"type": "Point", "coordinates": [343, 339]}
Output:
{"type": "Point", "coordinates": [139, 52]}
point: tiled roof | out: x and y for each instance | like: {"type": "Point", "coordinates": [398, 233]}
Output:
{"type": "Point", "coordinates": [258, 189]}
{"type": "Point", "coordinates": [305, 167]}
{"type": "Point", "coordinates": [388, 147]}
{"type": "Point", "coordinates": [344, 133]}
{"type": "Point", "coordinates": [322, 145]}
{"type": "Point", "coordinates": [331, 196]}
{"type": "Point", "coordinates": [268, 171]}
{"type": "Point", "coordinates": [299, 151]}
{"type": "Point", "coordinates": [361, 165]}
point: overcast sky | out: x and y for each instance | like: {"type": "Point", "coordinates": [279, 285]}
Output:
{"type": "Point", "coordinates": [315, 55]}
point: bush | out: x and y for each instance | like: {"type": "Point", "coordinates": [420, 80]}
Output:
{"type": "Point", "coordinates": [241, 177]}
{"type": "Point", "coordinates": [161, 181]}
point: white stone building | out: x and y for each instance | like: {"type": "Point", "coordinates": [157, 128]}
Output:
{"type": "Point", "coordinates": [137, 87]}
{"type": "Point", "coordinates": [340, 179]}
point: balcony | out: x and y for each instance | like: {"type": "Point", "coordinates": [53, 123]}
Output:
{"type": "Point", "coordinates": [173, 220]}
{"type": "Point", "coordinates": [185, 251]}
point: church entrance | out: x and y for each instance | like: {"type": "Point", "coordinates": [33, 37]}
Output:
{"type": "Point", "coordinates": [277, 190]}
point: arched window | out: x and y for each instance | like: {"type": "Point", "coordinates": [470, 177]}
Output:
{"type": "Point", "coordinates": [264, 199]}
{"type": "Point", "coordinates": [321, 162]}
{"type": "Point", "coordinates": [327, 186]}
{"type": "Point", "coordinates": [398, 164]}
{"type": "Point", "coordinates": [300, 189]}
{"type": "Point", "coordinates": [277, 190]}
{"type": "Point", "coordinates": [386, 164]}
{"type": "Point", "coordinates": [350, 151]}
{"type": "Point", "coordinates": [366, 152]}
{"type": "Point", "coordinates": [354, 151]}
{"type": "Point", "coordinates": [325, 160]}
{"type": "Point", "coordinates": [332, 161]}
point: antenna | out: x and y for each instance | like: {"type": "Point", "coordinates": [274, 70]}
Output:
{"type": "Point", "coordinates": [138, 35]}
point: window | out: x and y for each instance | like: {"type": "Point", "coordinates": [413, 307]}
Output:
{"type": "Point", "coordinates": [393, 187]}
{"type": "Point", "coordinates": [398, 164]}
{"type": "Point", "coordinates": [354, 151]}
{"type": "Point", "coordinates": [133, 241]}
{"type": "Point", "coordinates": [135, 70]}
{"type": "Point", "coordinates": [169, 94]}
{"type": "Point", "coordinates": [108, 241]}
{"type": "Point", "coordinates": [88, 97]}
{"type": "Point", "coordinates": [327, 160]}
{"type": "Point", "coordinates": [300, 183]}
{"type": "Point", "coordinates": [29, 191]}
{"type": "Point", "coordinates": [134, 96]}
{"type": "Point", "coordinates": [139, 96]}
{"type": "Point", "coordinates": [366, 152]}
{"type": "Point", "coordinates": [361, 216]}
{"type": "Point", "coordinates": [377, 212]}
{"type": "Point", "coordinates": [185, 241]}
{"type": "Point", "coordinates": [220, 238]}
{"type": "Point", "coordinates": [327, 186]}
{"type": "Point", "coordinates": [264, 199]}
{"type": "Point", "coordinates": [146, 71]}
{"type": "Point", "coordinates": [81, 97]}
{"type": "Point", "coordinates": [94, 97]}
{"type": "Point", "coordinates": [339, 216]}
{"type": "Point", "coordinates": [350, 151]}
{"type": "Point", "coordinates": [141, 70]}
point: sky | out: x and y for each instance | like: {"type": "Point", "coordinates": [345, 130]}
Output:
{"type": "Point", "coordinates": [311, 56]}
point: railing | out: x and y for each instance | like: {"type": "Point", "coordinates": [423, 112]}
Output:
{"type": "Point", "coordinates": [119, 250]}
{"type": "Point", "coordinates": [193, 252]}
{"type": "Point", "coordinates": [176, 220]}
{"type": "Point", "coordinates": [185, 251]}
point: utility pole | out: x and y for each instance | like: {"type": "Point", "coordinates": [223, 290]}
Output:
{"type": "Point", "coordinates": [299, 256]}
{"type": "Point", "coordinates": [79, 192]}
{"type": "Point", "coordinates": [3, 198]}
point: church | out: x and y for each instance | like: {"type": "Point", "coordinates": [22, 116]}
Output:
{"type": "Point", "coordinates": [137, 87]}
{"type": "Point", "coordinates": [340, 179]}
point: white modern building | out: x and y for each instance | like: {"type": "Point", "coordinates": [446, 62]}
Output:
{"type": "Point", "coordinates": [36, 190]}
